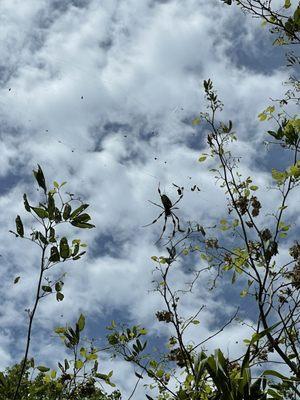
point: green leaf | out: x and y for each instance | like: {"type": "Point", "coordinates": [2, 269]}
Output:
{"type": "Point", "coordinates": [58, 286]}
{"type": "Point", "coordinates": [160, 373]}
{"type": "Point", "coordinates": [54, 254]}
{"type": "Point", "coordinates": [67, 365]}
{"type": "Point", "coordinates": [196, 121]}
{"type": "Point", "coordinates": [235, 223]}
{"type": "Point", "coordinates": [287, 4]}
{"type": "Point", "coordinates": [81, 322]}
{"type": "Point", "coordinates": [42, 238]}
{"type": "Point", "coordinates": [51, 206]}
{"type": "Point", "coordinates": [60, 330]}
{"type": "Point", "coordinates": [55, 184]}
{"type": "Point", "coordinates": [83, 352]}
{"type": "Point", "coordinates": [26, 204]}
{"type": "Point", "coordinates": [59, 296]}
{"type": "Point", "coordinates": [258, 336]}
{"type": "Point", "coordinates": [262, 116]}
{"type": "Point", "coordinates": [82, 218]}
{"type": "Point", "coordinates": [40, 212]}
{"type": "Point", "coordinates": [202, 158]}
{"type": "Point", "coordinates": [67, 211]}
{"type": "Point", "coordinates": [92, 356]}
{"type": "Point", "coordinates": [76, 250]}
{"type": "Point", "coordinates": [295, 170]}
{"type": "Point", "coordinates": [19, 226]}
{"type": "Point", "coordinates": [275, 373]}
{"type": "Point", "coordinates": [253, 187]}
{"type": "Point", "coordinates": [57, 215]}
{"type": "Point", "coordinates": [78, 364]}
{"type": "Point", "coordinates": [78, 210]}
{"type": "Point", "coordinates": [39, 176]}
{"type": "Point", "coordinates": [2, 379]}
{"type": "Point", "coordinates": [47, 289]}
{"type": "Point", "coordinates": [195, 322]}
{"type": "Point", "coordinates": [274, 394]}
{"type": "Point", "coordinates": [79, 255]}
{"type": "Point", "coordinates": [53, 374]}
{"type": "Point", "coordinates": [279, 176]}
{"type": "Point", "coordinates": [42, 368]}
{"type": "Point", "coordinates": [64, 249]}
{"type": "Point", "coordinates": [83, 225]}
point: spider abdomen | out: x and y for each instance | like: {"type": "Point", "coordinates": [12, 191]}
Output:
{"type": "Point", "coordinates": [166, 203]}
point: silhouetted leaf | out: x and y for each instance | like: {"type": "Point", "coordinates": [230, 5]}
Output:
{"type": "Point", "coordinates": [67, 211]}
{"type": "Point", "coordinates": [59, 296]}
{"type": "Point", "coordinates": [83, 225]}
{"type": "Point", "coordinates": [54, 254]}
{"type": "Point", "coordinates": [78, 210]}
{"type": "Point", "coordinates": [26, 204]}
{"type": "Point", "coordinates": [19, 226]}
{"type": "Point", "coordinates": [39, 176]}
{"type": "Point", "coordinates": [51, 206]}
{"type": "Point", "coordinates": [82, 218]}
{"type": "Point", "coordinates": [47, 289]}
{"type": "Point", "coordinates": [64, 248]}
{"type": "Point", "coordinates": [40, 212]}
{"type": "Point", "coordinates": [42, 238]}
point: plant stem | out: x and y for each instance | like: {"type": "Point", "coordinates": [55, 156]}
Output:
{"type": "Point", "coordinates": [31, 317]}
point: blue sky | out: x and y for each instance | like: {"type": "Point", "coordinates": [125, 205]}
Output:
{"type": "Point", "coordinates": [102, 95]}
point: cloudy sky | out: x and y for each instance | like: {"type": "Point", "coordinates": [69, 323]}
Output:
{"type": "Point", "coordinates": [101, 94]}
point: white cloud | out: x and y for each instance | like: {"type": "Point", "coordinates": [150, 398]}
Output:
{"type": "Point", "coordinates": [75, 73]}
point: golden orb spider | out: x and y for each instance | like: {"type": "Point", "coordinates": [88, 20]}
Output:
{"type": "Point", "coordinates": [168, 208]}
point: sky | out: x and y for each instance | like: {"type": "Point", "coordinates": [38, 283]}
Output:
{"type": "Point", "coordinates": [102, 94]}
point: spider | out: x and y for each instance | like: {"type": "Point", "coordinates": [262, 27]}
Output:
{"type": "Point", "coordinates": [167, 208]}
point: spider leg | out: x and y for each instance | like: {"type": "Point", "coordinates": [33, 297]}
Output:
{"type": "Point", "coordinates": [174, 224]}
{"type": "Point", "coordinates": [153, 222]}
{"type": "Point", "coordinates": [159, 192]}
{"type": "Point", "coordinates": [163, 230]}
{"type": "Point", "coordinates": [178, 223]}
{"type": "Point", "coordinates": [178, 200]}
{"type": "Point", "coordinates": [156, 204]}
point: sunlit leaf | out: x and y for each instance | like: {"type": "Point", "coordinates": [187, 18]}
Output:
{"type": "Point", "coordinates": [42, 368]}
{"type": "Point", "coordinates": [78, 364]}
{"type": "Point", "coordinates": [81, 322]}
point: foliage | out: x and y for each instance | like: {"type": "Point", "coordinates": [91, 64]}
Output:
{"type": "Point", "coordinates": [48, 214]}
{"type": "Point", "coordinates": [39, 388]}
{"type": "Point", "coordinates": [272, 286]}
